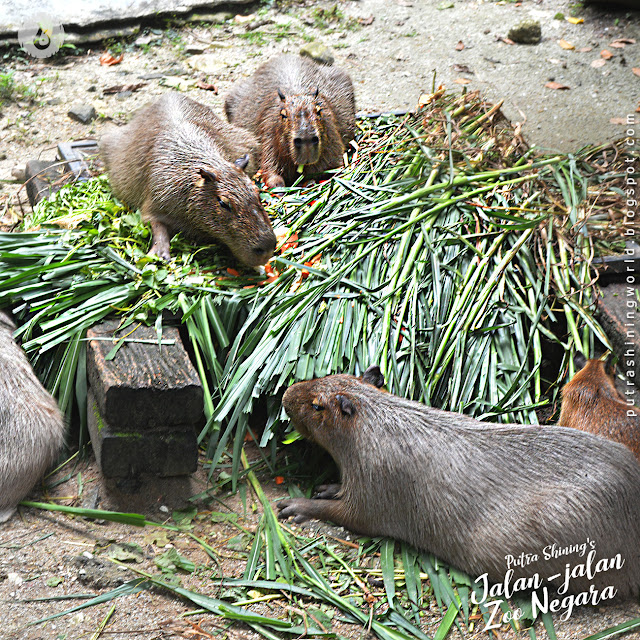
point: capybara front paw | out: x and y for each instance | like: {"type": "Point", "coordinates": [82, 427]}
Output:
{"type": "Point", "coordinates": [161, 250]}
{"type": "Point", "coordinates": [294, 507]}
{"type": "Point", "coordinates": [327, 491]}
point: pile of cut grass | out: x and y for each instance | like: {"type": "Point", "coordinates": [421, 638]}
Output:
{"type": "Point", "coordinates": [444, 251]}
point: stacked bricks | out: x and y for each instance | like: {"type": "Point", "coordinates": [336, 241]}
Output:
{"type": "Point", "coordinates": [145, 404]}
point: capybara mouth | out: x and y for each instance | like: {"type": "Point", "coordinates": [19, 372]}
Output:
{"type": "Point", "coordinates": [288, 400]}
{"type": "Point", "coordinates": [291, 404]}
{"type": "Point", "coordinates": [306, 154]}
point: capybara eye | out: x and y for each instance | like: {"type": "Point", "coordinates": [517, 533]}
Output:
{"type": "Point", "coordinates": [316, 406]}
{"type": "Point", "coordinates": [283, 113]}
{"type": "Point", "coordinates": [225, 204]}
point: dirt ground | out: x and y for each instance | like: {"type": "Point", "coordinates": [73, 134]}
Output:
{"type": "Point", "coordinates": [391, 49]}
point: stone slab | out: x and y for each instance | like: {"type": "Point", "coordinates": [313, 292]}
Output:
{"type": "Point", "coordinates": [160, 452]}
{"type": "Point", "coordinates": [146, 385]}
{"type": "Point", "coordinates": [43, 177]}
{"type": "Point", "coordinates": [85, 14]}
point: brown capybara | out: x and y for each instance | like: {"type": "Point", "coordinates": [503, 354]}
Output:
{"type": "Point", "coordinates": [302, 112]}
{"type": "Point", "coordinates": [185, 169]}
{"type": "Point", "coordinates": [31, 425]}
{"type": "Point", "coordinates": [483, 497]}
{"type": "Point", "coordinates": [591, 402]}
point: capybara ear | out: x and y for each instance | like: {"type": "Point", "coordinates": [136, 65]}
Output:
{"type": "Point", "coordinates": [579, 360]}
{"type": "Point", "coordinates": [346, 406]}
{"type": "Point", "coordinates": [373, 376]}
{"type": "Point", "coordinates": [243, 162]}
{"type": "Point", "coordinates": [281, 95]}
{"type": "Point", "coordinates": [208, 174]}
{"type": "Point", "coordinates": [610, 363]}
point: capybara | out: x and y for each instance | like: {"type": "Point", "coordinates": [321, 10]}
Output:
{"type": "Point", "coordinates": [31, 426]}
{"type": "Point", "coordinates": [185, 169]}
{"type": "Point", "coordinates": [483, 497]}
{"type": "Point", "coordinates": [591, 402]}
{"type": "Point", "coordinates": [302, 112]}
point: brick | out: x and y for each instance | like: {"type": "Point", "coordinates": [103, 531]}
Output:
{"type": "Point", "coordinates": [145, 386]}
{"type": "Point", "coordinates": [125, 454]}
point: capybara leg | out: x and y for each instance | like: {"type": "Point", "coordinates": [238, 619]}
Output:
{"type": "Point", "coordinates": [327, 491]}
{"type": "Point", "coordinates": [6, 514]}
{"type": "Point", "coordinates": [160, 243]}
{"type": "Point", "coordinates": [303, 509]}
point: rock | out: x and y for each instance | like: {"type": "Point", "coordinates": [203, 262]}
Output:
{"type": "Point", "coordinates": [147, 39]}
{"type": "Point", "coordinates": [214, 18]}
{"type": "Point", "coordinates": [123, 95]}
{"type": "Point", "coordinates": [96, 573]}
{"type": "Point", "coordinates": [318, 52]}
{"type": "Point", "coordinates": [3, 155]}
{"type": "Point", "coordinates": [177, 70]}
{"type": "Point", "coordinates": [526, 32]}
{"type": "Point", "coordinates": [240, 19]}
{"type": "Point", "coordinates": [181, 84]}
{"type": "Point", "coordinates": [151, 76]}
{"type": "Point", "coordinates": [630, 4]}
{"type": "Point", "coordinates": [84, 113]}
{"type": "Point", "coordinates": [14, 579]}
{"type": "Point", "coordinates": [208, 63]}
{"type": "Point", "coordinates": [54, 101]}
{"type": "Point", "coordinates": [18, 172]}
{"type": "Point", "coordinates": [195, 49]}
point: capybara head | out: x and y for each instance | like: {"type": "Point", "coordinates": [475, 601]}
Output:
{"type": "Point", "coordinates": [594, 380]}
{"type": "Point", "coordinates": [227, 206]}
{"type": "Point", "coordinates": [320, 409]}
{"type": "Point", "coordinates": [301, 120]}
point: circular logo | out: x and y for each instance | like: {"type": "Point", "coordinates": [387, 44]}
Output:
{"type": "Point", "coordinates": [41, 37]}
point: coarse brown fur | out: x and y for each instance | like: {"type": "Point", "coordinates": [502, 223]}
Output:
{"type": "Point", "coordinates": [591, 402]}
{"type": "Point", "coordinates": [31, 425]}
{"type": "Point", "coordinates": [175, 161]}
{"type": "Point", "coordinates": [467, 491]}
{"type": "Point", "coordinates": [302, 112]}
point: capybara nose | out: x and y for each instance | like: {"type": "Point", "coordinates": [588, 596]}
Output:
{"type": "Point", "coordinates": [313, 141]}
{"type": "Point", "coordinates": [265, 248]}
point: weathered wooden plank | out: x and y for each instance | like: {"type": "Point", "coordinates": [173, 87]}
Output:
{"type": "Point", "coordinates": [146, 385]}
{"type": "Point", "coordinates": [171, 451]}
